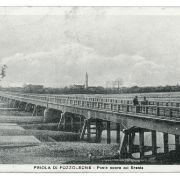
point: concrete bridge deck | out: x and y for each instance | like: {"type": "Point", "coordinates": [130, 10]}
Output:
{"type": "Point", "coordinates": [160, 118]}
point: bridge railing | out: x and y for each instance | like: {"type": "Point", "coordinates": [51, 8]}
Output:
{"type": "Point", "coordinates": [155, 110]}
{"type": "Point", "coordinates": [172, 103]}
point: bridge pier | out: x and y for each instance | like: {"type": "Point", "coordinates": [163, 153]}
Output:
{"type": "Point", "coordinates": [47, 115]}
{"type": "Point", "coordinates": [18, 104]}
{"type": "Point", "coordinates": [141, 142]}
{"type": "Point", "coordinates": [71, 122]}
{"type": "Point", "coordinates": [165, 139]}
{"type": "Point", "coordinates": [21, 106]}
{"type": "Point", "coordinates": [131, 137]}
{"type": "Point", "coordinates": [64, 122]}
{"type": "Point", "coordinates": [11, 103]}
{"type": "Point", "coordinates": [154, 142]}
{"type": "Point", "coordinates": [15, 104]}
{"type": "Point", "coordinates": [123, 148]}
{"type": "Point", "coordinates": [40, 111]}
{"type": "Point", "coordinates": [93, 129]}
{"type": "Point", "coordinates": [29, 107]}
{"type": "Point", "coordinates": [4, 99]}
{"type": "Point", "coordinates": [177, 144]}
{"type": "Point", "coordinates": [51, 115]}
{"type": "Point", "coordinates": [26, 107]}
{"type": "Point", "coordinates": [60, 124]}
{"type": "Point", "coordinates": [88, 130]}
{"type": "Point", "coordinates": [83, 129]}
{"type": "Point", "coordinates": [98, 131]}
{"type": "Point", "coordinates": [118, 133]}
{"type": "Point", "coordinates": [108, 132]}
{"type": "Point", "coordinates": [81, 122]}
{"type": "Point", "coordinates": [8, 103]}
{"type": "Point", "coordinates": [34, 111]}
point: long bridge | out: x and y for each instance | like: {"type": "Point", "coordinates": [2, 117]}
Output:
{"type": "Point", "coordinates": [89, 115]}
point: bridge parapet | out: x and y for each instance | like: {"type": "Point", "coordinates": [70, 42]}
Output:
{"type": "Point", "coordinates": [158, 101]}
{"type": "Point", "coordinates": [99, 104]}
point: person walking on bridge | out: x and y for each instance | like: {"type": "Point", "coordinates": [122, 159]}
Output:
{"type": "Point", "coordinates": [144, 102]}
{"type": "Point", "coordinates": [135, 101]}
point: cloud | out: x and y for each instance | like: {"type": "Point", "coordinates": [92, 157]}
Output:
{"type": "Point", "coordinates": [67, 65]}
{"type": "Point", "coordinates": [58, 50]}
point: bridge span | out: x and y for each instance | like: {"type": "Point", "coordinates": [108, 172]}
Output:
{"type": "Point", "coordinates": [89, 116]}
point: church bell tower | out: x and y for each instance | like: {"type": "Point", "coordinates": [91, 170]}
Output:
{"type": "Point", "coordinates": [86, 81]}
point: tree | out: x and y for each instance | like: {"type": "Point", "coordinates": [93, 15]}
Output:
{"type": "Point", "coordinates": [3, 71]}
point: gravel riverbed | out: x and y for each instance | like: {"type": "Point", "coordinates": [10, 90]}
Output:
{"type": "Point", "coordinates": [54, 152]}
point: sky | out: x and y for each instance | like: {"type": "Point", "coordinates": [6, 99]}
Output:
{"type": "Point", "coordinates": [57, 49]}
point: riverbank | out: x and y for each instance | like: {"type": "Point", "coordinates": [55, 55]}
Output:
{"type": "Point", "coordinates": [54, 152]}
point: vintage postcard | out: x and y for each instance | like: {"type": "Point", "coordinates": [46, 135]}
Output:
{"type": "Point", "coordinates": [89, 89]}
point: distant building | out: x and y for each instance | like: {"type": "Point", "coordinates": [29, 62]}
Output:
{"type": "Point", "coordinates": [30, 88]}
{"type": "Point", "coordinates": [92, 88]}
{"type": "Point", "coordinates": [77, 86]}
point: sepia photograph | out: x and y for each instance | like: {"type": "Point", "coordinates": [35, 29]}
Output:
{"type": "Point", "coordinates": [89, 89]}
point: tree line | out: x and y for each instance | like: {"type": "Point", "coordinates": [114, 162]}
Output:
{"type": "Point", "coordinates": [92, 90]}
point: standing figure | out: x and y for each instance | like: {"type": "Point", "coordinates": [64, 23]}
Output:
{"type": "Point", "coordinates": [145, 101]}
{"type": "Point", "coordinates": [135, 101]}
